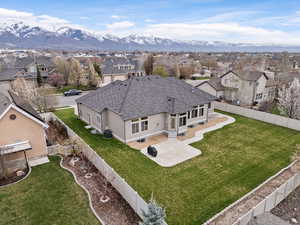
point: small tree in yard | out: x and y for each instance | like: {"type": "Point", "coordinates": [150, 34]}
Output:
{"type": "Point", "coordinates": [155, 215]}
{"type": "Point", "coordinates": [56, 80]}
{"type": "Point", "coordinates": [289, 100]}
{"type": "Point", "coordinates": [161, 71]}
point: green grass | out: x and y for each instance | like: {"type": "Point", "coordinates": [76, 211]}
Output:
{"type": "Point", "coordinates": [49, 196]}
{"type": "Point", "coordinates": [201, 78]}
{"type": "Point", "coordinates": [235, 160]}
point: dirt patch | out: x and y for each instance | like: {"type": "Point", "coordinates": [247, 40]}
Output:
{"type": "Point", "coordinates": [240, 209]}
{"type": "Point", "coordinates": [289, 208]}
{"type": "Point", "coordinates": [114, 212]}
{"type": "Point", "coordinates": [13, 178]}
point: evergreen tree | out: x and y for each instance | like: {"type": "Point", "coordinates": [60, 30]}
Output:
{"type": "Point", "coordinates": [155, 214]}
{"type": "Point", "coordinates": [148, 65]}
{"type": "Point", "coordinates": [38, 76]}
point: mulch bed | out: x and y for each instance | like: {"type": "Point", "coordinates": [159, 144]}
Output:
{"type": "Point", "coordinates": [13, 178]}
{"type": "Point", "coordinates": [114, 212]}
{"type": "Point", "coordinates": [290, 207]}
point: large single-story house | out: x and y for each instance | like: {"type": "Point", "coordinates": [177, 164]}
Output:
{"type": "Point", "coordinates": [22, 134]}
{"type": "Point", "coordinates": [140, 107]}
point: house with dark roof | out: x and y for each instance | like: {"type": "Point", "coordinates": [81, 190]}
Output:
{"type": "Point", "coordinates": [120, 68]}
{"type": "Point", "coordinates": [22, 132]}
{"type": "Point", "coordinates": [245, 87]}
{"type": "Point", "coordinates": [140, 107]}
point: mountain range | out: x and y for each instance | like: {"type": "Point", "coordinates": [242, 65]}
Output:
{"type": "Point", "coordinates": [24, 36]}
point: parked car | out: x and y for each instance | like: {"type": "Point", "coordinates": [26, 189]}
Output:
{"type": "Point", "coordinates": [72, 92]}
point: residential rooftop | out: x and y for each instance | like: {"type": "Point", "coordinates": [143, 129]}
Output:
{"type": "Point", "coordinates": [145, 96]}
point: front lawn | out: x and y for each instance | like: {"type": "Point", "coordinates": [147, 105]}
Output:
{"type": "Point", "coordinates": [235, 159]}
{"type": "Point", "coordinates": [49, 196]}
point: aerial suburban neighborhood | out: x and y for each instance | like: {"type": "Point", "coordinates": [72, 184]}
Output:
{"type": "Point", "coordinates": [134, 113]}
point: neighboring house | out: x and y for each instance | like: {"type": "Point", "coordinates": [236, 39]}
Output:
{"type": "Point", "coordinates": [22, 134]}
{"type": "Point", "coordinates": [120, 68]}
{"type": "Point", "coordinates": [145, 106]}
{"type": "Point", "coordinates": [245, 88]}
{"type": "Point", "coordinates": [29, 65]}
{"type": "Point", "coordinates": [213, 87]}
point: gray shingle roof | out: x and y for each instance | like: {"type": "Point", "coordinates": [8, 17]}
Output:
{"type": "Point", "coordinates": [215, 83]}
{"type": "Point", "coordinates": [109, 67]}
{"type": "Point", "coordinates": [248, 75]}
{"type": "Point", "coordinates": [23, 104]}
{"type": "Point", "coordinates": [145, 96]}
{"type": "Point", "coordinates": [9, 74]}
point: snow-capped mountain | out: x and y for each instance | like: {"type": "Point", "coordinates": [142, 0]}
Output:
{"type": "Point", "coordinates": [20, 35]}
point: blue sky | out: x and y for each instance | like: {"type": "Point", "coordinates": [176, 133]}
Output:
{"type": "Point", "coordinates": [258, 21]}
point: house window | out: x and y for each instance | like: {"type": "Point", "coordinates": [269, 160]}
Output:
{"type": "Point", "coordinates": [195, 112]}
{"type": "Point", "coordinates": [259, 96]}
{"type": "Point", "coordinates": [201, 110]}
{"type": "Point", "coordinates": [209, 105]}
{"type": "Point", "coordinates": [135, 126]}
{"type": "Point", "coordinates": [189, 115]}
{"type": "Point", "coordinates": [182, 120]}
{"type": "Point", "coordinates": [144, 124]}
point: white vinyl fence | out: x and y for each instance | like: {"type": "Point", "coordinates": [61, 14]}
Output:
{"type": "Point", "coordinates": [272, 200]}
{"type": "Point", "coordinates": [258, 115]}
{"type": "Point", "coordinates": [137, 203]}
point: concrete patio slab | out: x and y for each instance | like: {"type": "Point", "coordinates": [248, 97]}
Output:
{"type": "Point", "coordinates": [172, 152]}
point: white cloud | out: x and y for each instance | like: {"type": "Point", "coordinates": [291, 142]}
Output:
{"type": "Point", "coordinates": [120, 25]}
{"type": "Point", "coordinates": [8, 16]}
{"type": "Point", "coordinates": [218, 28]}
{"type": "Point", "coordinates": [231, 32]}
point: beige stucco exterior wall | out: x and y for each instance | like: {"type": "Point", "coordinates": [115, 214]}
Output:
{"type": "Point", "coordinates": [90, 117]}
{"type": "Point", "coordinates": [116, 124]}
{"type": "Point", "coordinates": [122, 130]}
{"type": "Point", "coordinates": [260, 88]}
{"type": "Point", "coordinates": [22, 129]}
{"type": "Point", "coordinates": [156, 124]}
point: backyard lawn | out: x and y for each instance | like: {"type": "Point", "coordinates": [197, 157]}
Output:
{"type": "Point", "coordinates": [48, 196]}
{"type": "Point", "coordinates": [235, 159]}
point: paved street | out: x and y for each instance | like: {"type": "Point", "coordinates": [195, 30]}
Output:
{"type": "Point", "coordinates": [68, 101]}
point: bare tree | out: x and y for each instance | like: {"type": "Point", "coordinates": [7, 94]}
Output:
{"type": "Point", "coordinates": [289, 99]}
{"type": "Point", "coordinates": [75, 72]}
{"type": "Point", "coordinates": [62, 66]}
{"type": "Point", "coordinates": [24, 89]}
